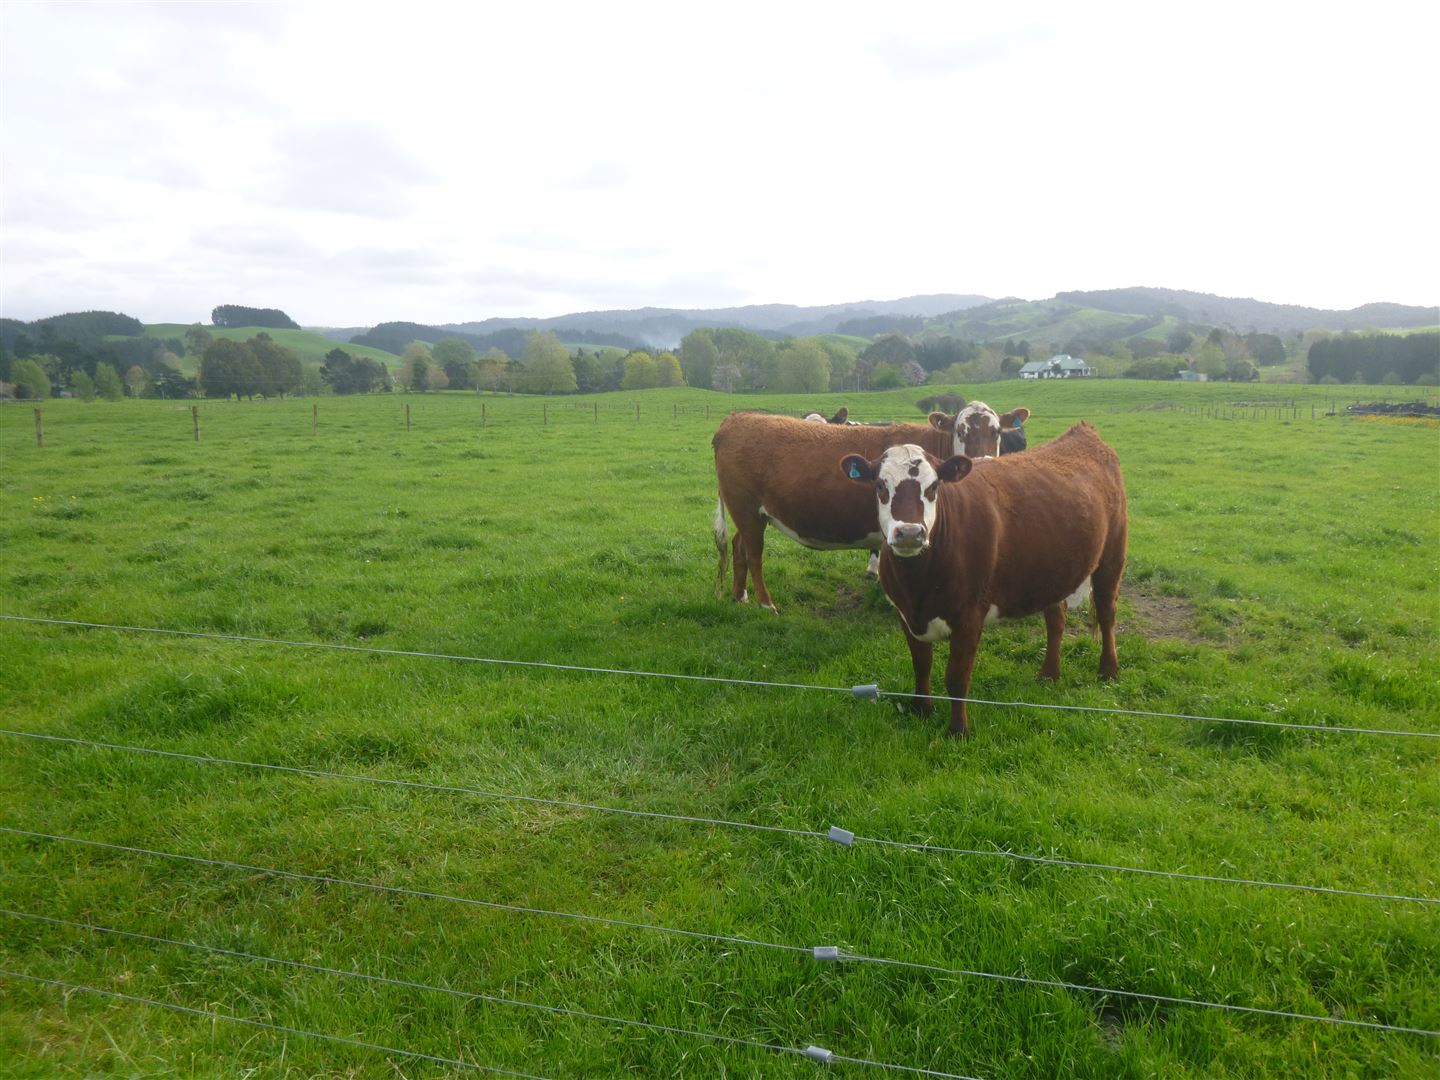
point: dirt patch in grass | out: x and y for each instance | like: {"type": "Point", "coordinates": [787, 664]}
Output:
{"type": "Point", "coordinates": [1157, 616]}
{"type": "Point", "coordinates": [848, 600]}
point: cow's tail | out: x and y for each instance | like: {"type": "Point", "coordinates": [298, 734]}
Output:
{"type": "Point", "coordinates": [722, 546]}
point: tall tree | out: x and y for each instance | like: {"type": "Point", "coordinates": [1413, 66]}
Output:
{"type": "Point", "coordinates": [136, 380]}
{"type": "Point", "coordinates": [667, 370]}
{"type": "Point", "coordinates": [107, 382]}
{"type": "Point", "coordinates": [30, 379]}
{"type": "Point", "coordinates": [640, 372]}
{"type": "Point", "coordinates": [280, 366]}
{"type": "Point", "coordinates": [548, 368]}
{"type": "Point", "coordinates": [802, 367]}
{"type": "Point", "coordinates": [222, 369]}
{"type": "Point", "coordinates": [196, 338]}
{"type": "Point", "coordinates": [456, 357]}
{"type": "Point", "coordinates": [698, 357]}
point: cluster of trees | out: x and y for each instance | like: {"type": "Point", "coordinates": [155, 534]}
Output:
{"type": "Point", "coordinates": [246, 368]}
{"type": "Point", "coordinates": [346, 374]}
{"type": "Point", "coordinates": [231, 315]}
{"type": "Point", "coordinates": [1222, 354]}
{"type": "Point", "coordinates": [79, 354]}
{"type": "Point", "coordinates": [1411, 359]}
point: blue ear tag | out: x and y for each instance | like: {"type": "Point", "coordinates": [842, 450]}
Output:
{"type": "Point", "coordinates": [854, 471]}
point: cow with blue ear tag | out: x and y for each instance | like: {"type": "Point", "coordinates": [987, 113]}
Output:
{"type": "Point", "coordinates": [968, 542]}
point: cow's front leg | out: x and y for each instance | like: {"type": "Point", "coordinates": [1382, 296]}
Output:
{"type": "Point", "coordinates": [1054, 634]}
{"type": "Point", "coordinates": [922, 655]}
{"type": "Point", "coordinates": [964, 643]}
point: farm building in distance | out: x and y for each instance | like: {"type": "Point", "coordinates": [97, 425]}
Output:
{"type": "Point", "coordinates": [1063, 366]}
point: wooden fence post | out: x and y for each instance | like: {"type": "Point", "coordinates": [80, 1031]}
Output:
{"type": "Point", "coordinates": [195, 420]}
{"type": "Point", "coordinates": [596, 406]}
{"type": "Point", "coordinates": [407, 416]}
{"type": "Point", "coordinates": [314, 417]}
{"type": "Point", "coordinates": [544, 414]}
{"type": "Point", "coordinates": [637, 412]}
{"type": "Point", "coordinates": [674, 411]}
{"type": "Point", "coordinates": [482, 414]}
{"type": "Point", "coordinates": [39, 431]}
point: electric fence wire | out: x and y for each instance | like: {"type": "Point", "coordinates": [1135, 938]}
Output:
{"type": "Point", "coordinates": [812, 834]}
{"type": "Point", "coordinates": [467, 995]}
{"type": "Point", "coordinates": [829, 953]}
{"type": "Point", "coordinates": [854, 691]}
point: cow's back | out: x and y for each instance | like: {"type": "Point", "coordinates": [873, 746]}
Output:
{"type": "Point", "coordinates": [788, 470]}
{"type": "Point", "coordinates": [1042, 520]}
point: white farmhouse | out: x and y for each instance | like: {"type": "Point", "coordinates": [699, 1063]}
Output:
{"type": "Point", "coordinates": [1062, 366]}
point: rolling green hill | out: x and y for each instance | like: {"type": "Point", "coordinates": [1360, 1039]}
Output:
{"type": "Point", "coordinates": [312, 347]}
{"type": "Point", "coordinates": [1046, 322]}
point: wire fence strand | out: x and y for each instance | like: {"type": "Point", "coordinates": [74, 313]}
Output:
{"type": "Point", "coordinates": [809, 834]}
{"type": "Point", "coordinates": [468, 995]}
{"type": "Point", "coordinates": [1328, 729]}
{"type": "Point", "coordinates": [726, 939]}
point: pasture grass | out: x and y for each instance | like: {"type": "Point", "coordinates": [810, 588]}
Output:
{"type": "Point", "coordinates": [1280, 569]}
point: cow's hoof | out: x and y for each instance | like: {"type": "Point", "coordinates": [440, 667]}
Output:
{"type": "Point", "coordinates": [771, 608]}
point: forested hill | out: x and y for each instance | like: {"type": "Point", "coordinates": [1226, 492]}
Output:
{"type": "Point", "coordinates": [665, 327]}
{"type": "Point", "coordinates": [1244, 314]}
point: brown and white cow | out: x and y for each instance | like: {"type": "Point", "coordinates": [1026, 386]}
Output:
{"type": "Point", "coordinates": [968, 542]}
{"type": "Point", "coordinates": [775, 470]}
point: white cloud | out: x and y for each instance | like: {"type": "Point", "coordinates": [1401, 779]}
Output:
{"type": "Point", "coordinates": [445, 164]}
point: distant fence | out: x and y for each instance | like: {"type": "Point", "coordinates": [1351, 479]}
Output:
{"type": "Point", "coordinates": [531, 412]}
{"type": "Point", "coordinates": [1296, 410]}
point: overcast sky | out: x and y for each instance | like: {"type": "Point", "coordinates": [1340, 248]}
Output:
{"type": "Point", "coordinates": [355, 164]}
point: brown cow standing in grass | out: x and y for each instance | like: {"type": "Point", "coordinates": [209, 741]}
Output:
{"type": "Point", "coordinates": [775, 470]}
{"type": "Point", "coordinates": [1021, 534]}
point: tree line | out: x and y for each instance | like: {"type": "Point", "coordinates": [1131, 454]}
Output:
{"type": "Point", "coordinates": [1393, 359]}
{"type": "Point", "coordinates": [259, 366]}
{"type": "Point", "coordinates": [233, 315]}
{"type": "Point", "coordinates": [75, 354]}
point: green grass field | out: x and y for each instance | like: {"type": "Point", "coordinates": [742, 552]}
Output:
{"type": "Point", "coordinates": [1281, 569]}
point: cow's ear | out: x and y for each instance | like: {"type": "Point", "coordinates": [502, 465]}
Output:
{"type": "Point", "coordinates": [954, 468]}
{"type": "Point", "coordinates": [1014, 418]}
{"type": "Point", "coordinates": [857, 468]}
{"type": "Point", "coordinates": [841, 415]}
{"type": "Point", "coordinates": [942, 421]}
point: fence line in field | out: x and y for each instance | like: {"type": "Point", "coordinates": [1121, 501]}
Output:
{"type": "Point", "coordinates": [280, 1029]}
{"type": "Point", "coordinates": [1282, 408]}
{"type": "Point", "coordinates": [835, 834]}
{"type": "Point", "coordinates": [818, 1053]}
{"type": "Point", "coordinates": [819, 953]}
{"type": "Point", "coordinates": [865, 692]}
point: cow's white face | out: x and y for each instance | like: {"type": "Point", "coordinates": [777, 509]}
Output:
{"type": "Point", "coordinates": [907, 484]}
{"type": "Point", "coordinates": [976, 428]}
